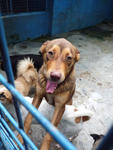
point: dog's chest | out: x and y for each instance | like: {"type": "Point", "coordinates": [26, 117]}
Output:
{"type": "Point", "coordinates": [50, 99]}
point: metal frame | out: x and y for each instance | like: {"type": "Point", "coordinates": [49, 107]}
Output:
{"type": "Point", "coordinates": [17, 7]}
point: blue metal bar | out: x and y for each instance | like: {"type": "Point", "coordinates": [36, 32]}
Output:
{"type": "Point", "coordinates": [1, 145]}
{"type": "Point", "coordinates": [11, 6]}
{"type": "Point", "coordinates": [2, 114]}
{"type": "Point", "coordinates": [107, 142]}
{"type": "Point", "coordinates": [4, 50]}
{"type": "Point", "coordinates": [11, 133]}
{"type": "Point", "coordinates": [8, 68]}
{"type": "Point", "coordinates": [5, 139]}
{"type": "Point", "coordinates": [14, 123]}
{"type": "Point", "coordinates": [8, 143]}
{"type": "Point", "coordinates": [39, 117]}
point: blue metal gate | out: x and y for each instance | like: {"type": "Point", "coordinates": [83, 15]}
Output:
{"type": "Point", "coordinates": [9, 7]}
{"type": "Point", "coordinates": [25, 19]}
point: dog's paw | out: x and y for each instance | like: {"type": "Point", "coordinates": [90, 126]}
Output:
{"type": "Point", "coordinates": [5, 96]}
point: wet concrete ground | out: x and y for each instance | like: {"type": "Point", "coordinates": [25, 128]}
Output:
{"type": "Point", "coordinates": [94, 73]}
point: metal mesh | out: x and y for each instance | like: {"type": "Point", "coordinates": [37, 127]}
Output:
{"type": "Point", "coordinates": [5, 6]}
{"type": "Point", "coordinates": [19, 6]}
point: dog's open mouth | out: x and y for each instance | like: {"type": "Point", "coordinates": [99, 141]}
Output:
{"type": "Point", "coordinates": [51, 86]}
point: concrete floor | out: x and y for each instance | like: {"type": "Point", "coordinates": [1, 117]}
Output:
{"type": "Point", "coordinates": [94, 74]}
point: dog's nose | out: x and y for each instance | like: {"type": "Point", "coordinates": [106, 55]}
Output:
{"type": "Point", "coordinates": [55, 76]}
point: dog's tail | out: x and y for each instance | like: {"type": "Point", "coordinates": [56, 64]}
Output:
{"type": "Point", "coordinates": [24, 65]}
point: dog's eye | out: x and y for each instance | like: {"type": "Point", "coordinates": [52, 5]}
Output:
{"type": "Point", "coordinates": [68, 58]}
{"type": "Point", "coordinates": [50, 53]}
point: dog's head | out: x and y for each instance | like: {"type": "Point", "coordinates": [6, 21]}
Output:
{"type": "Point", "coordinates": [59, 58]}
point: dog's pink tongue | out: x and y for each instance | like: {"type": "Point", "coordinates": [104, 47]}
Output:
{"type": "Point", "coordinates": [51, 86]}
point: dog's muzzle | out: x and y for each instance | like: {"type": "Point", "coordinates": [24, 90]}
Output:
{"type": "Point", "coordinates": [55, 76]}
{"type": "Point", "coordinates": [53, 82]}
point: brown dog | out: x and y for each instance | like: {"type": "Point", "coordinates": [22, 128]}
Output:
{"type": "Point", "coordinates": [56, 81]}
{"type": "Point", "coordinates": [26, 78]}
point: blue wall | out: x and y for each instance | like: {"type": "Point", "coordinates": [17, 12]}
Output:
{"type": "Point", "coordinates": [60, 16]}
{"type": "Point", "coordinates": [76, 14]}
{"type": "Point", "coordinates": [26, 26]}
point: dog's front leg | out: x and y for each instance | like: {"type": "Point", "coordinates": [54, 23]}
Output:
{"type": "Point", "coordinates": [58, 113]}
{"type": "Point", "coordinates": [28, 120]}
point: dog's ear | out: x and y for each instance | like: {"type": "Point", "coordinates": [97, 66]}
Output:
{"type": "Point", "coordinates": [43, 47]}
{"type": "Point", "coordinates": [77, 54]}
